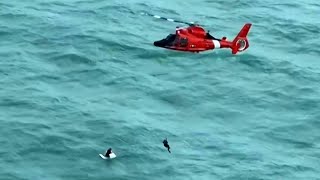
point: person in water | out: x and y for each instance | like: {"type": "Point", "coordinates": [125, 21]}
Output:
{"type": "Point", "coordinates": [165, 143]}
{"type": "Point", "coordinates": [109, 151]}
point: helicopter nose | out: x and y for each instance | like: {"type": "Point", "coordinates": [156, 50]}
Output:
{"type": "Point", "coordinates": [157, 43]}
{"type": "Point", "coordinates": [160, 43]}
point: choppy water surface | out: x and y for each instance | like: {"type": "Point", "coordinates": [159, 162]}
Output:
{"type": "Point", "coordinates": [78, 77]}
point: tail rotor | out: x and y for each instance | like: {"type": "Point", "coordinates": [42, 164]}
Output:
{"type": "Point", "coordinates": [240, 42]}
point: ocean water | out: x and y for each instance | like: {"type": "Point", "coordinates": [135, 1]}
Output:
{"type": "Point", "coordinates": [78, 77]}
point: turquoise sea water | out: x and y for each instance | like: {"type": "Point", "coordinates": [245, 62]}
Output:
{"type": "Point", "coordinates": [78, 77]}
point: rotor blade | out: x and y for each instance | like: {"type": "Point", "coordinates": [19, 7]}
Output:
{"type": "Point", "coordinates": [168, 19]}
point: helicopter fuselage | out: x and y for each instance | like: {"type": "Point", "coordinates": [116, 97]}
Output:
{"type": "Point", "coordinates": [196, 39]}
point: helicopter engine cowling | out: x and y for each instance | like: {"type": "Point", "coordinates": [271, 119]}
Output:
{"type": "Point", "coordinates": [197, 31]}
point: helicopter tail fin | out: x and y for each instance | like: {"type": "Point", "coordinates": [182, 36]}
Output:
{"type": "Point", "coordinates": [240, 42]}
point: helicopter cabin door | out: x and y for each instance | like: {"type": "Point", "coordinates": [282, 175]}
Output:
{"type": "Point", "coordinates": [183, 42]}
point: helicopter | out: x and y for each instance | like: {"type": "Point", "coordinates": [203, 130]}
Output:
{"type": "Point", "coordinates": [195, 38]}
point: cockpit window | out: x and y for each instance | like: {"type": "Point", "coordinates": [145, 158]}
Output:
{"type": "Point", "coordinates": [171, 37]}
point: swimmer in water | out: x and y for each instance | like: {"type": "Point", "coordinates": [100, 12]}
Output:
{"type": "Point", "coordinates": [109, 151]}
{"type": "Point", "coordinates": [165, 143]}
